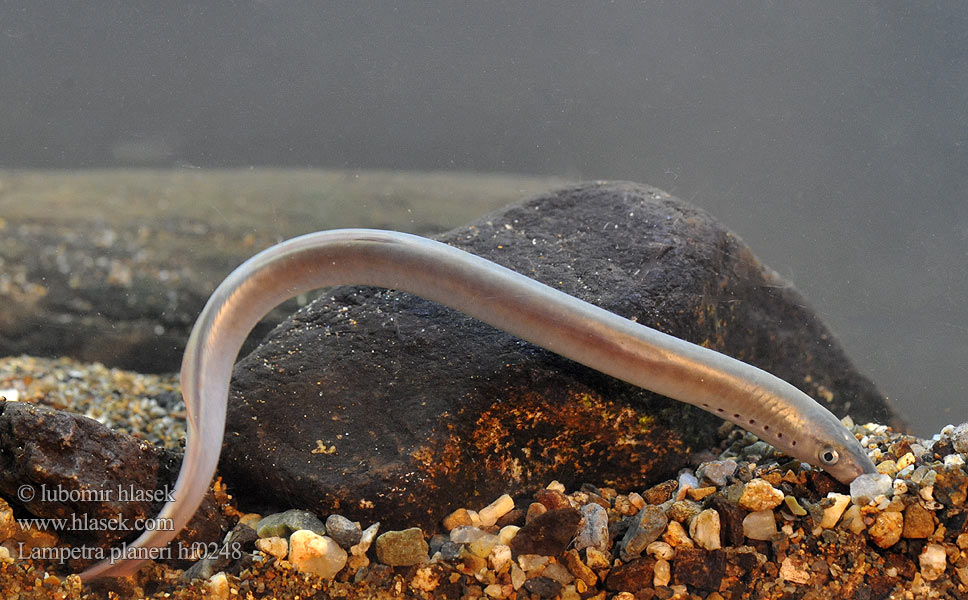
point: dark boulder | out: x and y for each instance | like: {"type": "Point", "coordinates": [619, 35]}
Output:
{"type": "Point", "coordinates": [60, 465]}
{"type": "Point", "coordinates": [383, 406]}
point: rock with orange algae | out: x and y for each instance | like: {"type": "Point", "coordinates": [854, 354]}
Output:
{"type": "Point", "coordinates": [383, 406]}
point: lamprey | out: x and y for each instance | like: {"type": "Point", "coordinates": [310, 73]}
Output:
{"type": "Point", "coordinates": [759, 402]}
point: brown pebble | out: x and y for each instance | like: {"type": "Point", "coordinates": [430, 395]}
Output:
{"type": "Point", "coordinates": [552, 499]}
{"type": "Point", "coordinates": [659, 493]}
{"type": "Point", "coordinates": [514, 517]}
{"type": "Point", "coordinates": [579, 569]}
{"type": "Point", "coordinates": [951, 487]}
{"type": "Point", "coordinates": [631, 576]}
{"type": "Point", "coordinates": [699, 568]}
{"type": "Point", "coordinates": [886, 530]}
{"type": "Point", "coordinates": [548, 534]}
{"type": "Point", "coordinates": [918, 522]}
{"type": "Point", "coordinates": [730, 520]}
{"type": "Point", "coordinates": [535, 509]}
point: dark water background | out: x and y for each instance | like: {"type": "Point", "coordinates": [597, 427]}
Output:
{"type": "Point", "coordinates": [832, 136]}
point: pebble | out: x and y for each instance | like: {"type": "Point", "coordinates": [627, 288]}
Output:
{"type": "Point", "coordinates": [645, 528]}
{"type": "Point", "coordinates": [499, 557]}
{"type": "Point", "coordinates": [794, 507]}
{"type": "Point", "coordinates": [759, 525]}
{"type": "Point", "coordinates": [284, 523]}
{"type": "Point", "coordinates": [795, 570]}
{"type": "Point", "coordinates": [759, 495]}
{"type": "Point", "coordinates": [867, 487]}
{"type": "Point", "coordinates": [310, 552]}
{"type": "Point", "coordinates": [675, 535]}
{"type": "Point", "coordinates": [918, 522]}
{"type": "Point", "coordinates": [366, 539]}
{"type": "Point", "coordinates": [594, 533]}
{"type": "Point", "coordinates": [402, 548]}
{"type": "Point", "coordinates": [217, 587]}
{"type": "Point", "coordinates": [543, 587]}
{"type": "Point", "coordinates": [933, 561]}
{"type": "Point", "coordinates": [273, 546]}
{"type": "Point", "coordinates": [549, 534]}
{"type": "Point", "coordinates": [495, 510]}
{"type": "Point", "coordinates": [662, 573]}
{"type": "Point", "coordinates": [832, 513]}
{"type": "Point", "coordinates": [465, 534]}
{"type": "Point", "coordinates": [704, 529]}
{"type": "Point", "coordinates": [959, 438]}
{"type": "Point", "coordinates": [660, 550]}
{"type": "Point", "coordinates": [346, 533]}
{"type": "Point", "coordinates": [717, 472]}
{"type": "Point", "coordinates": [886, 529]}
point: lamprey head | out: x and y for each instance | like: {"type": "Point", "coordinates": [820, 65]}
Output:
{"type": "Point", "coordinates": [841, 455]}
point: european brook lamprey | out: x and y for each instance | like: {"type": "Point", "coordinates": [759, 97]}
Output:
{"type": "Point", "coordinates": [759, 402]}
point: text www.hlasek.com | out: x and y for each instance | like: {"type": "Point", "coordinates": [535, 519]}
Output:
{"type": "Point", "coordinates": [86, 523]}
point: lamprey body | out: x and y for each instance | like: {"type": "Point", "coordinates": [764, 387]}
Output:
{"type": "Point", "coordinates": [759, 402]}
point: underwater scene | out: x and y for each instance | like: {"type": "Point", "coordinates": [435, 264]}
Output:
{"type": "Point", "coordinates": [506, 300]}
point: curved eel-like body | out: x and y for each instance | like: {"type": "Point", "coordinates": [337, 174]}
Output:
{"type": "Point", "coordinates": [757, 401]}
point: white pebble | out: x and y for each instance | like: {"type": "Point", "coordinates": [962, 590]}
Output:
{"type": "Point", "coordinates": [495, 510]}
{"type": "Point", "coordinates": [11, 395]}
{"type": "Point", "coordinates": [662, 573]}
{"type": "Point", "coordinates": [274, 546]}
{"type": "Point", "coordinates": [366, 539]}
{"type": "Point", "coordinates": [310, 552]}
{"type": "Point", "coordinates": [832, 513]}
{"type": "Point", "coordinates": [864, 488]}
{"type": "Point", "coordinates": [933, 561]}
{"type": "Point", "coordinates": [759, 525]}
{"type": "Point", "coordinates": [217, 587]}
{"type": "Point", "coordinates": [704, 529]}
{"type": "Point", "coordinates": [953, 461]}
{"type": "Point", "coordinates": [660, 550]}
{"type": "Point", "coordinates": [499, 557]}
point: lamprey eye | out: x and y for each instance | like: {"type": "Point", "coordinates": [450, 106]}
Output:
{"type": "Point", "coordinates": [828, 456]}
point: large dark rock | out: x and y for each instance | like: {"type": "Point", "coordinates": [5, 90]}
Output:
{"type": "Point", "coordinates": [59, 465]}
{"type": "Point", "coordinates": [383, 406]}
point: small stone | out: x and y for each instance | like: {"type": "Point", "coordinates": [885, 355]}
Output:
{"type": "Point", "coordinates": [549, 534]}
{"type": "Point", "coordinates": [534, 510]}
{"type": "Point", "coordinates": [853, 519]}
{"type": "Point", "coordinates": [532, 564]}
{"type": "Point", "coordinates": [507, 533]}
{"type": "Point", "coordinates": [717, 472]}
{"type": "Point", "coordinates": [731, 520]}
{"type": "Point", "coordinates": [905, 461]}
{"type": "Point", "coordinates": [495, 510]}
{"type": "Point", "coordinates": [953, 461]}
{"type": "Point", "coordinates": [499, 557]}
{"type": "Point", "coordinates": [402, 548]}
{"type": "Point", "coordinates": [559, 573]}
{"type": "Point", "coordinates": [759, 495]}
{"type": "Point", "coordinates": [794, 507]}
{"type": "Point", "coordinates": [888, 467]}
{"type": "Point", "coordinates": [675, 535]}
{"type": "Point", "coordinates": [962, 541]}
{"type": "Point", "coordinates": [250, 519]}
{"type": "Point", "coordinates": [482, 546]}
{"type": "Point", "coordinates": [660, 492]}
{"type": "Point", "coordinates": [8, 525]}
{"type": "Point", "coordinates": [683, 510]}
{"type": "Point", "coordinates": [543, 587]}
{"type": "Point", "coordinates": [700, 493]}
{"type": "Point", "coordinates": [597, 559]}
{"type": "Point", "coordinates": [284, 523]}
{"type": "Point", "coordinates": [517, 576]}
{"type": "Point", "coordinates": [310, 552]}
{"type": "Point", "coordinates": [552, 499]}
{"type": "Point", "coordinates": [660, 550]}
{"type": "Point", "coordinates": [631, 576]}
{"type": "Point", "coordinates": [457, 518]}
{"type": "Point", "coordinates": [645, 528]}
{"type": "Point", "coordinates": [759, 525]}
{"type": "Point", "coordinates": [217, 587]}
{"type": "Point", "coordinates": [933, 561]}
{"type": "Point", "coordinates": [868, 486]}
{"type": "Point", "coordinates": [704, 530]}
{"type": "Point", "coordinates": [369, 534]}
{"type": "Point", "coordinates": [595, 531]}
{"type": "Point", "coordinates": [699, 568]}
{"type": "Point", "coordinates": [959, 438]}
{"type": "Point", "coordinates": [832, 513]}
{"type": "Point", "coordinates": [273, 546]}
{"type": "Point", "coordinates": [579, 569]}
{"type": "Point", "coordinates": [918, 522]}
{"type": "Point", "coordinates": [886, 529]}
{"type": "Point", "coordinates": [662, 573]}
{"type": "Point", "coordinates": [346, 533]}
{"type": "Point", "coordinates": [795, 570]}
{"type": "Point", "coordinates": [465, 534]}
{"type": "Point", "coordinates": [494, 590]}
{"type": "Point", "coordinates": [951, 487]}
